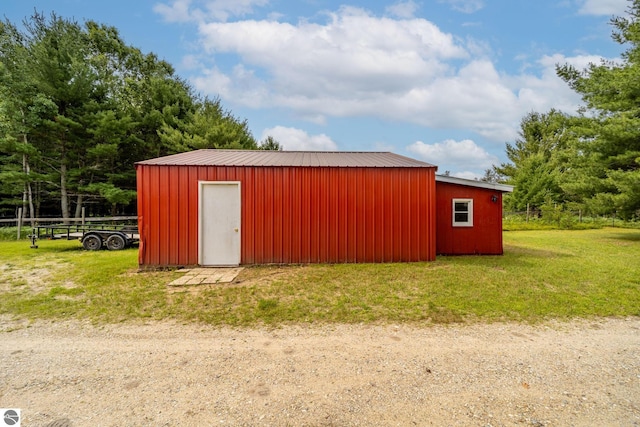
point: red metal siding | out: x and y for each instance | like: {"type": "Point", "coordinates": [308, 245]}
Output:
{"type": "Point", "coordinates": [294, 214]}
{"type": "Point", "coordinates": [485, 237]}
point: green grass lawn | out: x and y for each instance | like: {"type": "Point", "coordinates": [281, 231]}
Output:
{"type": "Point", "coordinates": [542, 275]}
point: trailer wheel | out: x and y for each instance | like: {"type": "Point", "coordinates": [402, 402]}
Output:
{"type": "Point", "coordinates": [92, 242]}
{"type": "Point", "coordinates": [116, 242]}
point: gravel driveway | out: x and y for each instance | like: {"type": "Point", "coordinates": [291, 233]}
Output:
{"type": "Point", "coordinates": [161, 374]}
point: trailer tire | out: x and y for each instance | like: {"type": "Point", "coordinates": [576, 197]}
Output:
{"type": "Point", "coordinates": [116, 242]}
{"type": "Point", "coordinates": [92, 242]}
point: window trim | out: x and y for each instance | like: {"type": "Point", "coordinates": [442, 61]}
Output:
{"type": "Point", "coordinates": [469, 211]}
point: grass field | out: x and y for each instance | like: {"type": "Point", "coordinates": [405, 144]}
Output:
{"type": "Point", "coordinates": [543, 275]}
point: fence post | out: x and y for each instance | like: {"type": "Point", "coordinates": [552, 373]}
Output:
{"type": "Point", "coordinates": [527, 212]}
{"type": "Point", "coordinates": [19, 222]}
{"type": "Point", "coordinates": [580, 215]}
{"type": "Point", "coordinates": [83, 215]}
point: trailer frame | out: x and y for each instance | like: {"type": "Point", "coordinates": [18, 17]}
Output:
{"type": "Point", "coordinates": [93, 237]}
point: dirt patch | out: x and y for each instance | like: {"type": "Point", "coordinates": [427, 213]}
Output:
{"type": "Point", "coordinates": [578, 373]}
{"type": "Point", "coordinates": [248, 276]}
{"type": "Point", "coordinates": [30, 278]}
{"type": "Point", "coordinates": [206, 276]}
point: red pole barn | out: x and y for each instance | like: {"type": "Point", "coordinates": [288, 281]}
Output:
{"type": "Point", "coordinates": [230, 207]}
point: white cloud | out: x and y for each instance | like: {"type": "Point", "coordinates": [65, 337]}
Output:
{"type": "Point", "coordinates": [475, 98]}
{"type": "Point", "coordinates": [546, 90]}
{"type": "Point", "coordinates": [466, 175]}
{"type": "Point", "coordinates": [241, 85]}
{"type": "Point", "coordinates": [465, 6]}
{"type": "Point", "coordinates": [403, 9]}
{"type": "Point", "coordinates": [353, 45]}
{"type": "Point", "coordinates": [190, 62]}
{"type": "Point", "coordinates": [178, 11]}
{"type": "Point", "coordinates": [580, 61]}
{"type": "Point", "coordinates": [454, 155]}
{"type": "Point", "coordinates": [603, 7]}
{"type": "Point", "coordinates": [292, 139]}
{"type": "Point", "coordinates": [201, 10]}
{"type": "Point", "coordinates": [359, 65]}
{"type": "Point", "coordinates": [214, 81]}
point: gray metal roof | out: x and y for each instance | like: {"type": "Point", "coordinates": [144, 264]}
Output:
{"type": "Point", "coordinates": [213, 157]}
{"type": "Point", "coordinates": [473, 183]}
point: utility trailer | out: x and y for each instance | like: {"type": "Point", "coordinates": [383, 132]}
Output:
{"type": "Point", "coordinates": [93, 237]}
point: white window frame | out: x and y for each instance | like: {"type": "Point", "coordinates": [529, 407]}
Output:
{"type": "Point", "coordinates": [469, 212]}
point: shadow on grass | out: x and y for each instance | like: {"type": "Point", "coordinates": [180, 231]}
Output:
{"type": "Point", "coordinates": [47, 247]}
{"type": "Point", "coordinates": [70, 246]}
{"type": "Point", "coordinates": [521, 252]}
{"type": "Point", "coordinates": [630, 237]}
{"type": "Point", "coordinates": [78, 248]}
{"type": "Point", "coordinates": [521, 256]}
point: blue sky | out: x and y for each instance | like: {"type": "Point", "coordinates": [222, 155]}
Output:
{"type": "Point", "coordinates": [444, 81]}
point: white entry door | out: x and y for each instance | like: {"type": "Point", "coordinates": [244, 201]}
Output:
{"type": "Point", "coordinates": [219, 223]}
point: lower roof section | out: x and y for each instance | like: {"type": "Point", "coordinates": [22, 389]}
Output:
{"type": "Point", "coordinates": [504, 188]}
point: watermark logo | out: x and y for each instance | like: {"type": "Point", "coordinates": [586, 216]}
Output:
{"type": "Point", "coordinates": [10, 417]}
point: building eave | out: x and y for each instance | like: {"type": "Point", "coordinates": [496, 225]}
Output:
{"type": "Point", "coordinates": [504, 188]}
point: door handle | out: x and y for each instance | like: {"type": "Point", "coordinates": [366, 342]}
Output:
{"type": "Point", "coordinates": [235, 229]}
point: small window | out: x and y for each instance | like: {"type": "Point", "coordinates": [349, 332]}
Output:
{"type": "Point", "coordinates": [462, 212]}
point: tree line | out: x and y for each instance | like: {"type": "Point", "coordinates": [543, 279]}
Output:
{"type": "Point", "coordinates": [589, 161]}
{"type": "Point", "coordinates": [78, 107]}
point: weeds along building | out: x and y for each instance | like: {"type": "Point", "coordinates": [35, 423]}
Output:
{"type": "Point", "coordinates": [230, 207]}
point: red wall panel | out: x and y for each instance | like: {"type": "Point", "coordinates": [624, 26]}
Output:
{"type": "Point", "coordinates": [485, 237]}
{"type": "Point", "coordinates": [294, 214]}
